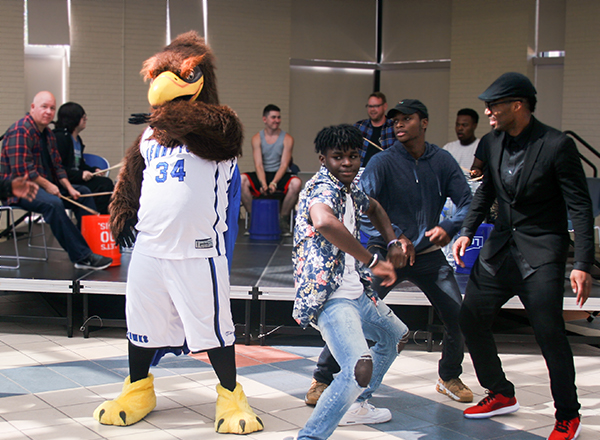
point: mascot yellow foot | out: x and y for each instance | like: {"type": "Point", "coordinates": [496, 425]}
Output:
{"type": "Point", "coordinates": [135, 401]}
{"type": "Point", "coordinates": [233, 414]}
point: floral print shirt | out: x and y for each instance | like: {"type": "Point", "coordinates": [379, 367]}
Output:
{"type": "Point", "coordinates": [318, 264]}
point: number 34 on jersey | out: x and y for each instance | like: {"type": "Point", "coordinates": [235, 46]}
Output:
{"type": "Point", "coordinates": [177, 171]}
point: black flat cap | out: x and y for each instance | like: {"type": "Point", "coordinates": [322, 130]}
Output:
{"type": "Point", "coordinates": [509, 84]}
{"type": "Point", "coordinates": [408, 107]}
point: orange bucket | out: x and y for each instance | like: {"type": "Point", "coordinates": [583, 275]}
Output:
{"type": "Point", "coordinates": [96, 231]}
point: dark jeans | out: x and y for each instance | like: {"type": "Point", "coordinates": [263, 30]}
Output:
{"type": "Point", "coordinates": [434, 276]}
{"type": "Point", "coordinates": [63, 229]}
{"type": "Point", "coordinates": [542, 296]}
{"type": "Point", "coordinates": [99, 184]}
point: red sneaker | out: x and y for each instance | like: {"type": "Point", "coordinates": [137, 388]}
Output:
{"type": "Point", "coordinates": [492, 405]}
{"type": "Point", "coordinates": [566, 429]}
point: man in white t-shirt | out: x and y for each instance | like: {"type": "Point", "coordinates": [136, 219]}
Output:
{"type": "Point", "coordinates": [463, 149]}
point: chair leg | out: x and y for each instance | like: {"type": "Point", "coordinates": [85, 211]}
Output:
{"type": "Point", "coordinates": [43, 235]}
{"type": "Point", "coordinates": [11, 219]}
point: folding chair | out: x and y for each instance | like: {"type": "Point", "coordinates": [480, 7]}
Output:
{"type": "Point", "coordinates": [94, 160]}
{"type": "Point", "coordinates": [11, 230]}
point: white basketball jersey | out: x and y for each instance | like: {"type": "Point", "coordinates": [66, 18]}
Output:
{"type": "Point", "coordinates": [183, 203]}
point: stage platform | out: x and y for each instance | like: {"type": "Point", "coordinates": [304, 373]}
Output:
{"type": "Point", "coordinates": [261, 276]}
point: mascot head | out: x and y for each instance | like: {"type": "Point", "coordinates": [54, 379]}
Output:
{"type": "Point", "coordinates": [184, 70]}
{"type": "Point", "coordinates": [185, 104]}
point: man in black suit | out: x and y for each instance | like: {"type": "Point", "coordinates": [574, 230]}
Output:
{"type": "Point", "coordinates": [535, 172]}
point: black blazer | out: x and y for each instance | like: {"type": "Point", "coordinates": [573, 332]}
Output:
{"type": "Point", "coordinates": [64, 143]}
{"type": "Point", "coordinates": [552, 181]}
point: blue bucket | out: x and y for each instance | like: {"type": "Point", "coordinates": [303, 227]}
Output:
{"type": "Point", "coordinates": [472, 252]}
{"type": "Point", "coordinates": [264, 221]}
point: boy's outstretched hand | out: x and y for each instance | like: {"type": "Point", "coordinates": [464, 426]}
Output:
{"type": "Point", "coordinates": [385, 270]}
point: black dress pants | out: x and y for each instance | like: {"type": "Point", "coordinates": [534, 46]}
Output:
{"type": "Point", "coordinates": [542, 296]}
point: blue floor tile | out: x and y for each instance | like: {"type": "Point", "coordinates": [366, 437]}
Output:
{"type": "Point", "coordinates": [430, 433]}
{"type": "Point", "coordinates": [117, 363]}
{"type": "Point", "coordinates": [39, 379]}
{"type": "Point", "coordinates": [482, 429]}
{"type": "Point", "coordinates": [9, 388]}
{"type": "Point", "coordinates": [86, 373]}
{"type": "Point", "coordinates": [401, 421]}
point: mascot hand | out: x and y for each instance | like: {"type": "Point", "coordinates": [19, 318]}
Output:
{"type": "Point", "coordinates": [139, 118]}
{"type": "Point", "coordinates": [128, 235]}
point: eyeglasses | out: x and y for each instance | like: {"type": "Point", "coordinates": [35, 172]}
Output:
{"type": "Point", "coordinates": [373, 106]}
{"type": "Point", "coordinates": [491, 105]}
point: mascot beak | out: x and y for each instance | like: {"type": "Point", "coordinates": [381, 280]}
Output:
{"type": "Point", "coordinates": [167, 86]}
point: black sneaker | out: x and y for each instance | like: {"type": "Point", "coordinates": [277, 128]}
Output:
{"type": "Point", "coordinates": [94, 261]}
{"type": "Point", "coordinates": [284, 225]}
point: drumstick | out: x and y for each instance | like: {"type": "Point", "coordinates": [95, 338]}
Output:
{"type": "Point", "coordinates": [95, 173]}
{"type": "Point", "coordinates": [90, 210]}
{"type": "Point", "coordinates": [96, 194]}
{"type": "Point", "coordinates": [374, 144]}
{"type": "Point", "coordinates": [475, 179]}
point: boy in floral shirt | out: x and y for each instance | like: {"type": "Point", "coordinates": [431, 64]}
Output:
{"type": "Point", "coordinates": [333, 284]}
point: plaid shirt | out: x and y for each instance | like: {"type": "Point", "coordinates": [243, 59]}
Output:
{"type": "Point", "coordinates": [318, 264]}
{"type": "Point", "coordinates": [386, 140]}
{"type": "Point", "coordinates": [22, 153]}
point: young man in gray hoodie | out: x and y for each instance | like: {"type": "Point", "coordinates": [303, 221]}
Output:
{"type": "Point", "coordinates": [411, 180]}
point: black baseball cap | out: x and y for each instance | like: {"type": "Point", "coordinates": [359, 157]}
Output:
{"type": "Point", "coordinates": [408, 107]}
{"type": "Point", "coordinates": [510, 84]}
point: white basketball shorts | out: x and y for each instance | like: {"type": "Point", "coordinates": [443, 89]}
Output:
{"type": "Point", "coordinates": [172, 300]}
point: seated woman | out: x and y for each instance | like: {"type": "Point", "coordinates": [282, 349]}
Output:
{"type": "Point", "coordinates": [71, 121]}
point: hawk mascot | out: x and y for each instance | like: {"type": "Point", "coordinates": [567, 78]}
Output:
{"type": "Point", "coordinates": [171, 198]}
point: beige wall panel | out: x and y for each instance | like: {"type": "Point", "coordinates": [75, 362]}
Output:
{"type": "Point", "coordinates": [145, 34]}
{"type": "Point", "coordinates": [322, 97]}
{"type": "Point", "coordinates": [109, 41]}
{"type": "Point", "coordinates": [43, 73]}
{"type": "Point", "coordinates": [186, 15]}
{"type": "Point", "coordinates": [12, 66]}
{"type": "Point", "coordinates": [430, 86]}
{"type": "Point", "coordinates": [96, 73]}
{"type": "Point", "coordinates": [552, 25]}
{"type": "Point", "coordinates": [549, 85]}
{"type": "Point", "coordinates": [334, 30]}
{"type": "Point", "coordinates": [416, 30]}
{"type": "Point", "coordinates": [488, 39]}
{"type": "Point", "coordinates": [581, 109]}
{"type": "Point", "coordinates": [47, 21]}
{"type": "Point", "coordinates": [251, 42]}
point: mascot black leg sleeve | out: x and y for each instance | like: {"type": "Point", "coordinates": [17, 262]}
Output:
{"type": "Point", "coordinates": [223, 361]}
{"type": "Point", "coordinates": [139, 361]}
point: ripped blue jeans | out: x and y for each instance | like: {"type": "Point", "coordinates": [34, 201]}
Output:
{"type": "Point", "coordinates": [345, 325]}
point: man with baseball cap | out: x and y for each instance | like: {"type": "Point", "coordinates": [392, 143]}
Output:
{"type": "Point", "coordinates": [411, 180]}
{"type": "Point", "coordinates": [536, 174]}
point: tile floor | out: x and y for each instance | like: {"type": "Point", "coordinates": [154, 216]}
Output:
{"type": "Point", "coordinates": [50, 385]}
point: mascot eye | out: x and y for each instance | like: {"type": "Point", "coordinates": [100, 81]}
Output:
{"type": "Point", "coordinates": [194, 75]}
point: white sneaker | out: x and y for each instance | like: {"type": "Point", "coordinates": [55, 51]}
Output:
{"type": "Point", "coordinates": [363, 413]}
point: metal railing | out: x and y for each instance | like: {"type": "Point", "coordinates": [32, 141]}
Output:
{"type": "Point", "coordinates": [589, 147]}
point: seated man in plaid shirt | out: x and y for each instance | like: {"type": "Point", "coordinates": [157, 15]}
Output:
{"type": "Point", "coordinates": [378, 130]}
{"type": "Point", "coordinates": [29, 151]}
